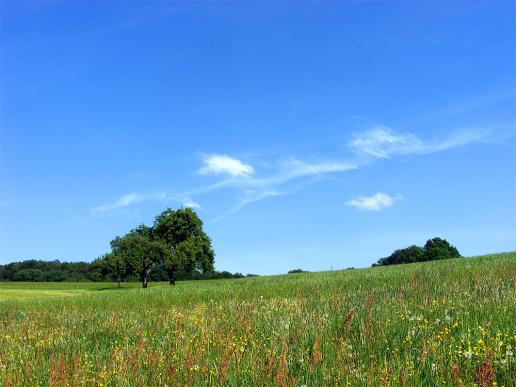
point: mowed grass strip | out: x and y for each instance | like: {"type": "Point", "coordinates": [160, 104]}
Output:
{"type": "Point", "coordinates": [446, 322]}
{"type": "Point", "coordinates": [19, 294]}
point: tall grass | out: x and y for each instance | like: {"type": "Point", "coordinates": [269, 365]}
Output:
{"type": "Point", "coordinates": [445, 322]}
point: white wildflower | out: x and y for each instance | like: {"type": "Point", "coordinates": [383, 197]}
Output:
{"type": "Point", "coordinates": [468, 355]}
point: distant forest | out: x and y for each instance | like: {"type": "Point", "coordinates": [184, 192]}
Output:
{"type": "Point", "coordinates": [57, 271]}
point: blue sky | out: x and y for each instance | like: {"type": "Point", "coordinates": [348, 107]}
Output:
{"type": "Point", "coordinates": [311, 135]}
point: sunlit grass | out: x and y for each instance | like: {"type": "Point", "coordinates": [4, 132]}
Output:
{"type": "Point", "coordinates": [446, 322]}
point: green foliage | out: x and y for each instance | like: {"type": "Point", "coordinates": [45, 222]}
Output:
{"type": "Point", "coordinates": [138, 252]}
{"type": "Point", "coordinates": [434, 249]}
{"type": "Point", "coordinates": [295, 271]}
{"type": "Point", "coordinates": [228, 275]}
{"type": "Point", "coordinates": [408, 255]}
{"type": "Point", "coordinates": [113, 265]}
{"type": "Point", "coordinates": [188, 247]}
{"type": "Point", "coordinates": [437, 248]}
{"type": "Point", "coordinates": [40, 271]}
{"type": "Point", "coordinates": [29, 275]}
{"type": "Point", "coordinates": [174, 227]}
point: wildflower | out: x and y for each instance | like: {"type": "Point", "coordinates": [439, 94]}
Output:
{"type": "Point", "coordinates": [447, 318]}
{"type": "Point", "coordinates": [434, 367]}
{"type": "Point", "coordinates": [468, 355]}
{"type": "Point", "coordinates": [509, 352]}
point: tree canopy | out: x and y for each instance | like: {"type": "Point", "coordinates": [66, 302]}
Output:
{"type": "Point", "coordinates": [438, 248]}
{"type": "Point", "coordinates": [187, 246]}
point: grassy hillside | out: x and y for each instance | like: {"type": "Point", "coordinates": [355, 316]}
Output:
{"type": "Point", "coordinates": [438, 322]}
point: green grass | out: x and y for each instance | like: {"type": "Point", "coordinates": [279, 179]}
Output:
{"type": "Point", "coordinates": [446, 322]}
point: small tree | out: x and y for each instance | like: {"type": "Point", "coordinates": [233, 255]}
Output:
{"type": "Point", "coordinates": [140, 252]}
{"type": "Point", "coordinates": [113, 265]}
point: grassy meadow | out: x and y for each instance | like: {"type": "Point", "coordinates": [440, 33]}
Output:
{"type": "Point", "coordinates": [445, 322]}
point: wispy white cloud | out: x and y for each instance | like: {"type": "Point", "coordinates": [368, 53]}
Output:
{"type": "Point", "coordinates": [459, 138]}
{"type": "Point", "coordinates": [222, 164]}
{"type": "Point", "coordinates": [128, 200]}
{"type": "Point", "coordinates": [250, 196]}
{"type": "Point", "coordinates": [188, 202]}
{"type": "Point", "coordinates": [383, 142]}
{"type": "Point", "coordinates": [376, 202]}
{"type": "Point", "coordinates": [293, 169]}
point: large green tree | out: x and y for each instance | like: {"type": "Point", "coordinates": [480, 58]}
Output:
{"type": "Point", "coordinates": [187, 246]}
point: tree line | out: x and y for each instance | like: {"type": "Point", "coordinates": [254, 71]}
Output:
{"type": "Point", "coordinates": [32, 270]}
{"type": "Point", "coordinates": [433, 250]}
{"type": "Point", "coordinates": [174, 248]}
{"type": "Point", "coordinates": [51, 271]}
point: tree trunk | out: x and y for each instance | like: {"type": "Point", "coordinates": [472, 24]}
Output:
{"type": "Point", "coordinates": [144, 281]}
{"type": "Point", "coordinates": [171, 278]}
{"type": "Point", "coordinates": [118, 280]}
